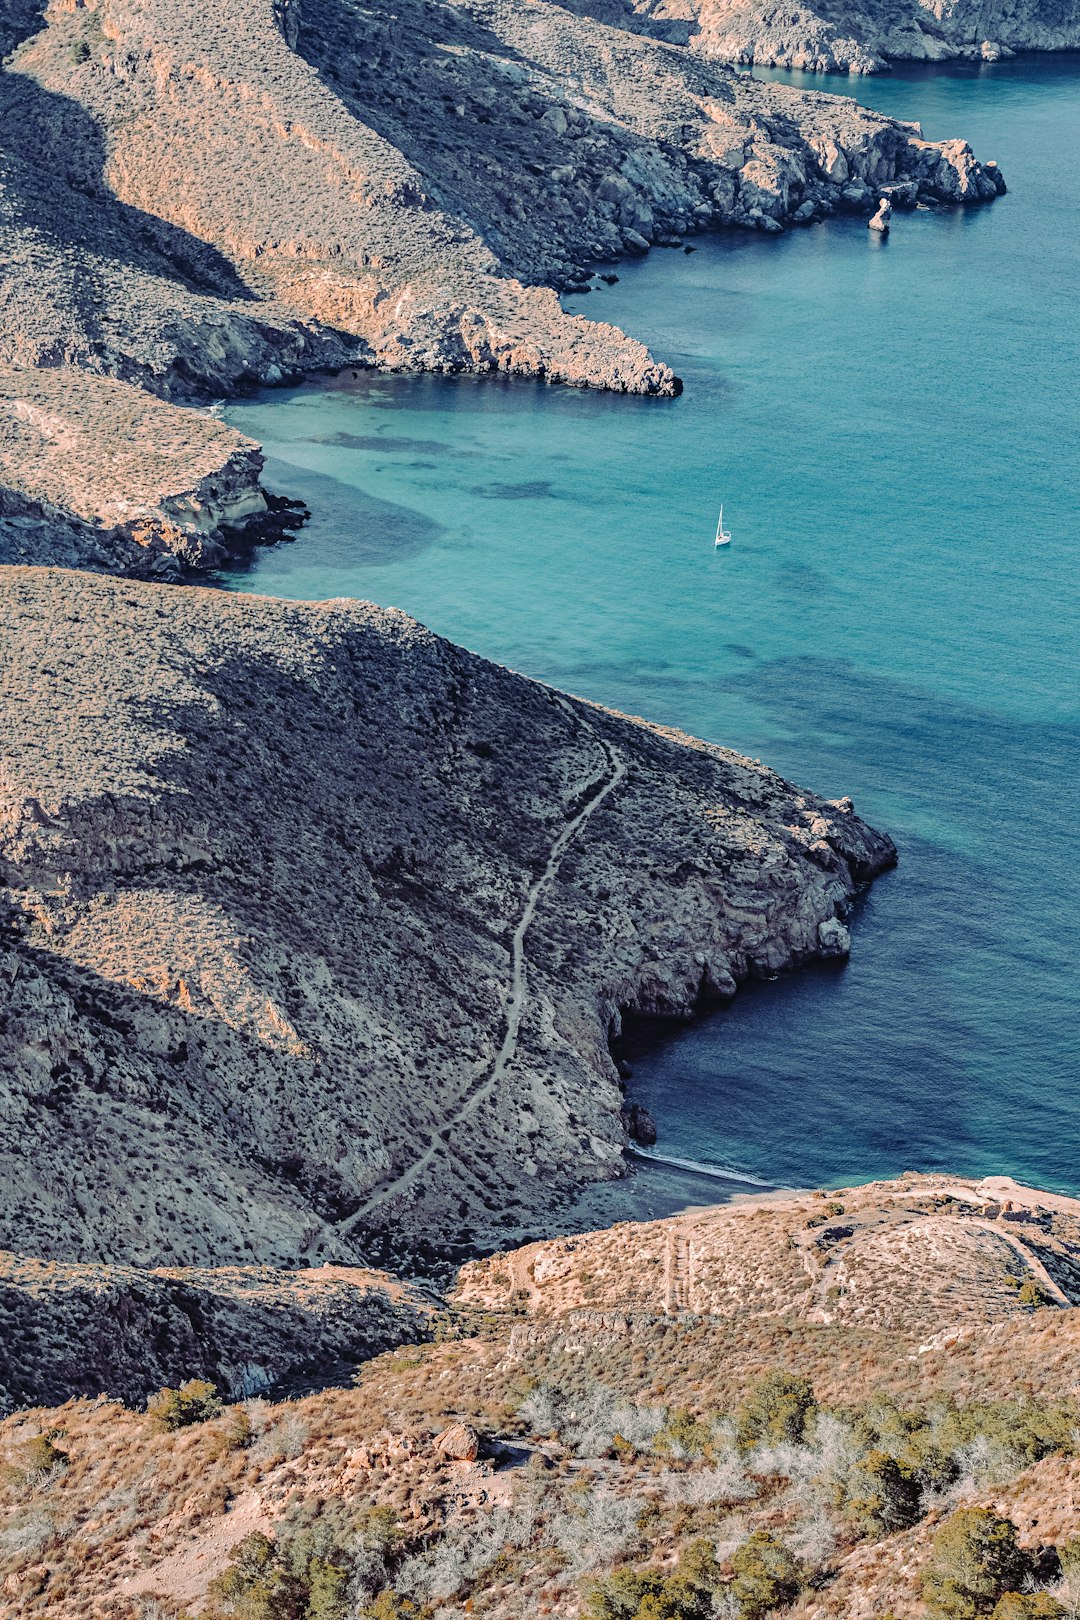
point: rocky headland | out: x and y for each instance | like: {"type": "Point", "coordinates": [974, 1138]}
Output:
{"type": "Point", "coordinates": [315, 925]}
{"type": "Point", "coordinates": [195, 200]}
{"type": "Point", "coordinates": [865, 37]}
{"type": "Point", "coordinates": [96, 473]}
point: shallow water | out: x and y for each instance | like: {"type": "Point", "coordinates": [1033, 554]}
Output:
{"type": "Point", "coordinates": [893, 428]}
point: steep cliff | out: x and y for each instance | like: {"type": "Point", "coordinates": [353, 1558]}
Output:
{"type": "Point", "coordinates": [314, 923]}
{"type": "Point", "coordinates": [95, 473]}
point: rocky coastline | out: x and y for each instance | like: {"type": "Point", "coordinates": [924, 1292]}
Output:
{"type": "Point", "coordinates": [869, 35]}
{"type": "Point", "coordinates": [406, 189]}
{"type": "Point", "coordinates": [96, 473]}
{"type": "Point", "coordinates": [264, 999]}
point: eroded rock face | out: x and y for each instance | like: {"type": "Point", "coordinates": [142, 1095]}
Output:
{"type": "Point", "coordinates": [97, 473]}
{"type": "Point", "coordinates": [197, 197]}
{"type": "Point", "coordinates": [313, 924]}
{"type": "Point", "coordinates": [864, 36]}
{"type": "Point", "coordinates": [115, 1330]}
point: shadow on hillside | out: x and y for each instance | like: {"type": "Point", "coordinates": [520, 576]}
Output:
{"type": "Point", "coordinates": [365, 57]}
{"type": "Point", "coordinates": [55, 188]}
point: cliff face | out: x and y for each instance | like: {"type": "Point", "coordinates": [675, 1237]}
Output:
{"type": "Point", "coordinates": [193, 197]}
{"type": "Point", "coordinates": [124, 1332]}
{"type": "Point", "coordinates": [96, 473]}
{"type": "Point", "coordinates": [314, 923]}
{"type": "Point", "coordinates": [860, 36]}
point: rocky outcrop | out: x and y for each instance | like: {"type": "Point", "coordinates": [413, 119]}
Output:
{"type": "Point", "coordinates": [95, 473]}
{"type": "Point", "coordinates": [395, 186]}
{"type": "Point", "coordinates": [124, 1332]}
{"type": "Point", "coordinates": [881, 220]}
{"type": "Point", "coordinates": [312, 924]}
{"type": "Point", "coordinates": [864, 36]}
{"type": "Point", "coordinates": [459, 1442]}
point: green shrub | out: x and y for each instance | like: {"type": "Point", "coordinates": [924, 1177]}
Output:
{"type": "Point", "coordinates": [304, 1579]}
{"type": "Point", "coordinates": [1069, 1553]}
{"type": "Point", "coordinates": [80, 52]}
{"type": "Point", "coordinates": [778, 1407]}
{"type": "Point", "coordinates": [684, 1433]}
{"type": "Point", "coordinates": [255, 1587]}
{"type": "Point", "coordinates": [620, 1596]}
{"type": "Point", "coordinates": [766, 1575]}
{"type": "Point", "coordinates": [234, 1433]}
{"type": "Point", "coordinates": [390, 1605]}
{"type": "Point", "coordinates": [647, 1594]}
{"type": "Point", "coordinates": [883, 1495]}
{"type": "Point", "coordinates": [1028, 1606]}
{"type": "Point", "coordinates": [36, 1461]}
{"type": "Point", "coordinates": [194, 1402]}
{"type": "Point", "coordinates": [975, 1560]}
{"type": "Point", "coordinates": [1031, 1429]}
{"type": "Point", "coordinates": [1033, 1293]}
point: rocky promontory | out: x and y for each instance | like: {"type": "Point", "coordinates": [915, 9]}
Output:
{"type": "Point", "coordinates": [96, 473]}
{"type": "Point", "coordinates": [860, 36]}
{"type": "Point", "coordinates": [315, 925]}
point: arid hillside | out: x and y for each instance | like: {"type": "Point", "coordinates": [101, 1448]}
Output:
{"type": "Point", "coordinates": [194, 199]}
{"type": "Point", "coordinates": [314, 923]}
{"type": "Point", "coordinates": [743, 1452]}
{"type": "Point", "coordinates": [965, 1250]}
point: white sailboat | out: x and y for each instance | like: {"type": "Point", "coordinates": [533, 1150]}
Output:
{"type": "Point", "coordinates": [723, 537]}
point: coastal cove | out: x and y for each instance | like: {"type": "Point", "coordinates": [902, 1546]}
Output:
{"type": "Point", "coordinates": [893, 427]}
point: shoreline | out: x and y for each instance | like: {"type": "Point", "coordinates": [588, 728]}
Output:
{"type": "Point", "coordinates": [654, 1189]}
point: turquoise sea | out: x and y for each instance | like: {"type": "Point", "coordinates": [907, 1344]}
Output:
{"type": "Point", "coordinates": [894, 430]}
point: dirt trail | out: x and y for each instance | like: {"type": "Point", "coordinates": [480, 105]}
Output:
{"type": "Point", "coordinates": [598, 789]}
{"type": "Point", "coordinates": [677, 1289]}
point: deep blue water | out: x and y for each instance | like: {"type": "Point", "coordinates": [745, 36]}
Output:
{"type": "Point", "coordinates": [893, 428]}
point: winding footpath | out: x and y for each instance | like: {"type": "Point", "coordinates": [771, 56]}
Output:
{"type": "Point", "coordinates": [598, 788]}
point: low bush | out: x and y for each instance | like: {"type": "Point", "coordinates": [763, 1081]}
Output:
{"type": "Point", "coordinates": [194, 1402]}
{"type": "Point", "coordinates": [1028, 1606]}
{"type": "Point", "coordinates": [766, 1576]}
{"type": "Point", "coordinates": [778, 1407]}
{"type": "Point", "coordinates": [304, 1579]}
{"type": "Point", "coordinates": [37, 1462]}
{"type": "Point", "coordinates": [883, 1495]}
{"type": "Point", "coordinates": [649, 1594]}
{"type": "Point", "coordinates": [975, 1561]}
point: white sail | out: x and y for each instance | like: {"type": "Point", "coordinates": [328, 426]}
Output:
{"type": "Point", "coordinates": [723, 538]}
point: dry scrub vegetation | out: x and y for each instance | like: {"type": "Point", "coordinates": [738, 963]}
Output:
{"type": "Point", "coordinates": [615, 1464]}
